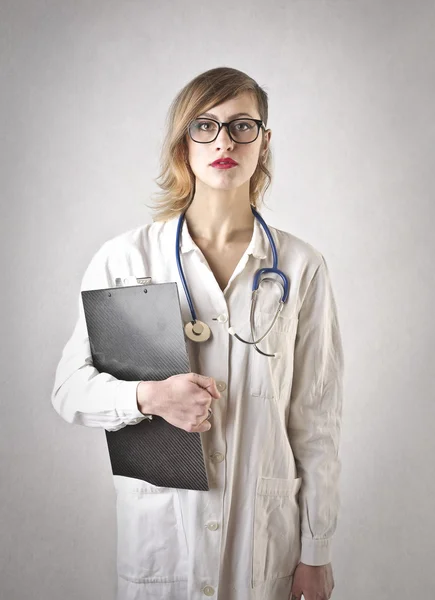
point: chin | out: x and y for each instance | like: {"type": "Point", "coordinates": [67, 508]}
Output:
{"type": "Point", "coordinates": [222, 184]}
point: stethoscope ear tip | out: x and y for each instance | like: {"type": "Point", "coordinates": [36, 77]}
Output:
{"type": "Point", "coordinates": [231, 330]}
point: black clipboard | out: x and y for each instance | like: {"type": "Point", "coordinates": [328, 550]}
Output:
{"type": "Point", "coordinates": [136, 333]}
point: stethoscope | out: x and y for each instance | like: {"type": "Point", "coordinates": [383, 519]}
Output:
{"type": "Point", "coordinates": [197, 330]}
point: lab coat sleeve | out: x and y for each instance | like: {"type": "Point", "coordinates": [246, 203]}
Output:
{"type": "Point", "coordinates": [81, 394]}
{"type": "Point", "coordinates": [315, 416]}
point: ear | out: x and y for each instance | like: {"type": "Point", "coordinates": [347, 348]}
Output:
{"type": "Point", "coordinates": [266, 141]}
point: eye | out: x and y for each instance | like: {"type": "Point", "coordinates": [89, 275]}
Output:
{"type": "Point", "coordinates": [204, 125]}
{"type": "Point", "coordinates": [243, 125]}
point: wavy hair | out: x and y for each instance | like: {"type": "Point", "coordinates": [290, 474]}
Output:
{"type": "Point", "coordinates": [176, 179]}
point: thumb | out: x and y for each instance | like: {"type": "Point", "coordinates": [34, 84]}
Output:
{"type": "Point", "coordinates": [207, 383]}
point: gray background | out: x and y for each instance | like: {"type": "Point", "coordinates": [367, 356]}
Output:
{"type": "Point", "coordinates": [85, 87]}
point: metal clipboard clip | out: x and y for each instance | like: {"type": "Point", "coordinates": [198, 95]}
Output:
{"type": "Point", "coordinates": [131, 280]}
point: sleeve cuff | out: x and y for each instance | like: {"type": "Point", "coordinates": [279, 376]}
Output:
{"type": "Point", "coordinates": [315, 552]}
{"type": "Point", "coordinates": [126, 403]}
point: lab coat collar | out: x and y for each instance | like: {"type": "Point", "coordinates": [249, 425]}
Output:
{"type": "Point", "coordinates": [257, 246]}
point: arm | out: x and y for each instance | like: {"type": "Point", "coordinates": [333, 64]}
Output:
{"type": "Point", "coordinates": [315, 416]}
{"type": "Point", "coordinates": [83, 395]}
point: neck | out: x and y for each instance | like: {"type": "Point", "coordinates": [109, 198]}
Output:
{"type": "Point", "coordinates": [217, 219]}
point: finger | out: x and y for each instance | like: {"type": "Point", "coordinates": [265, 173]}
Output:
{"type": "Point", "coordinates": [209, 412]}
{"type": "Point", "coordinates": [203, 427]}
{"type": "Point", "coordinates": [207, 383]}
{"type": "Point", "coordinates": [204, 421]}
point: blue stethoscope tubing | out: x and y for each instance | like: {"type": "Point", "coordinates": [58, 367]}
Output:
{"type": "Point", "coordinates": [255, 284]}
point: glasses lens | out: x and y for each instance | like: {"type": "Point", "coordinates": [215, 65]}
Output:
{"type": "Point", "coordinates": [205, 130]}
{"type": "Point", "coordinates": [244, 130]}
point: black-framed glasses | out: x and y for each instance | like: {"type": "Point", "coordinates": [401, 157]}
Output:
{"type": "Point", "coordinates": [241, 131]}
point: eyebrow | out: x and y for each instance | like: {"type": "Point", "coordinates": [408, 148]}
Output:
{"type": "Point", "coordinates": [212, 116]}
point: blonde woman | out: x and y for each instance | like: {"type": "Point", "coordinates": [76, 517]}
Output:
{"type": "Point", "coordinates": [269, 413]}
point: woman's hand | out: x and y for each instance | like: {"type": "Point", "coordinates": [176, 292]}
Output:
{"type": "Point", "coordinates": [183, 400]}
{"type": "Point", "coordinates": [315, 583]}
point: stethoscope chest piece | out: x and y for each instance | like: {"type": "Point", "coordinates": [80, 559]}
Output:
{"type": "Point", "coordinates": [197, 331]}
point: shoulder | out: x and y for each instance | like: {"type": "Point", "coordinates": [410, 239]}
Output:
{"type": "Point", "coordinates": [122, 255]}
{"type": "Point", "coordinates": [305, 265]}
{"type": "Point", "coordinates": [296, 250]}
{"type": "Point", "coordinates": [136, 240]}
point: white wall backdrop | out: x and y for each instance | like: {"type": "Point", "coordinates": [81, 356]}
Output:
{"type": "Point", "coordinates": [85, 87]}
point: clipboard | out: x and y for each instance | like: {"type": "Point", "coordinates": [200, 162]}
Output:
{"type": "Point", "coordinates": [136, 333]}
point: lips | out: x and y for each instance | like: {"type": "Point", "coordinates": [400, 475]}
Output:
{"type": "Point", "coordinates": [228, 162]}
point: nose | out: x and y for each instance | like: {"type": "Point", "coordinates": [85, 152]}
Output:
{"type": "Point", "coordinates": [225, 140]}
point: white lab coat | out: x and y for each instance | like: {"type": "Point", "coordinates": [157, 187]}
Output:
{"type": "Point", "coordinates": [272, 452]}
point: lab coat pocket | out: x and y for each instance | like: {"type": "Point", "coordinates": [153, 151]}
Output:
{"type": "Point", "coordinates": [271, 377]}
{"type": "Point", "coordinates": [151, 545]}
{"type": "Point", "coordinates": [276, 541]}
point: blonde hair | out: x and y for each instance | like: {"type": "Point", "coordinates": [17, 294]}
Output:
{"type": "Point", "coordinates": [176, 178]}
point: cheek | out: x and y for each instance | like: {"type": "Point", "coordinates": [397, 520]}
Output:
{"type": "Point", "coordinates": [193, 153]}
{"type": "Point", "coordinates": [253, 154]}
{"type": "Point", "coordinates": [251, 163]}
{"type": "Point", "coordinates": [198, 159]}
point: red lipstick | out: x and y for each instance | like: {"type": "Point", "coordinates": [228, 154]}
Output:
{"type": "Point", "coordinates": [224, 163]}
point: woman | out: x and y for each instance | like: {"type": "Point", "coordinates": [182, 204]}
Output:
{"type": "Point", "coordinates": [269, 414]}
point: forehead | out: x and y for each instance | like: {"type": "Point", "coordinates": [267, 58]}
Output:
{"type": "Point", "coordinates": [243, 104]}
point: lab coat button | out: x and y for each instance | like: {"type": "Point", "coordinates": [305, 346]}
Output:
{"type": "Point", "coordinates": [222, 318]}
{"type": "Point", "coordinates": [212, 526]}
{"type": "Point", "coordinates": [217, 457]}
{"type": "Point", "coordinates": [208, 590]}
{"type": "Point", "coordinates": [221, 385]}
